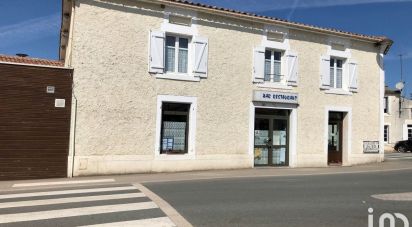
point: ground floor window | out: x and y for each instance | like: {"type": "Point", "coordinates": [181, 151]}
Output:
{"type": "Point", "coordinates": [175, 126]}
{"type": "Point", "coordinates": [174, 133]}
{"type": "Point", "coordinates": [409, 132]}
{"type": "Point", "coordinates": [386, 133]}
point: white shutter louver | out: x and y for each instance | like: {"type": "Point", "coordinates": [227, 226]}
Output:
{"type": "Point", "coordinates": [201, 50]}
{"type": "Point", "coordinates": [258, 64]}
{"type": "Point", "coordinates": [156, 55]}
{"type": "Point", "coordinates": [325, 71]}
{"type": "Point", "coordinates": [353, 76]}
{"type": "Point", "coordinates": [292, 74]}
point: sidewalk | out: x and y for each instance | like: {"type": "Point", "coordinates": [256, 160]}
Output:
{"type": "Point", "coordinates": [398, 165]}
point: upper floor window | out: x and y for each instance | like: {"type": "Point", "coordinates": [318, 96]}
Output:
{"type": "Point", "coordinates": [273, 64]}
{"type": "Point", "coordinates": [177, 54]}
{"type": "Point", "coordinates": [339, 75]}
{"type": "Point", "coordinates": [178, 57]}
{"type": "Point", "coordinates": [336, 73]}
{"type": "Point", "coordinates": [385, 105]}
{"type": "Point", "coordinates": [272, 67]}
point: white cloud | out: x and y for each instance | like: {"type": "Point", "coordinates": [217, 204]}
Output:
{"type": "Point", "coordinates": [266, 5]}
{"type": "Point", "coordinates": [29, 30]}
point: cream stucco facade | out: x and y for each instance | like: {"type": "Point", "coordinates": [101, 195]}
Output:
{"type": "Point", "coordinates": [398, 118]}
{"type": "Point", "coordinates": [115, 114]}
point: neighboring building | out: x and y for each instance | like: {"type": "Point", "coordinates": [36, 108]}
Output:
{"type": "Point", "coordinates": [35, 107]}
{"type": "Point", "coordinates": [398, 118]}
{"type": "Point", "coordinates": [169, 85]}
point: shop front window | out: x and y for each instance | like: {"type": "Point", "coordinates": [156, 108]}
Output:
{"type": "Point", "coordinates": [175, 126]}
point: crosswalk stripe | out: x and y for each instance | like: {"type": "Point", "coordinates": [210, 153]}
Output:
{"type": "Point", "coordinates": [163, 221]}
{"type": "Point", "coordinates": [48, 183]}
{"type": "Point", "coordinates": [70, 200]}
{"type": "Point", "coordinates": [64, 192]}
{"type": "Point", "coordinates": [72, 212]}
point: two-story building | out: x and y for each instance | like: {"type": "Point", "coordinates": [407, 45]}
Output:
{"type": "Point", "coordinates": [398, 118]}
{"type": "Point", "coordinates": [169, 85]}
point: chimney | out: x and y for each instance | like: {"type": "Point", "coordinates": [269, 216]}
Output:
{"type": "Point", "coordinates": [22, 55]}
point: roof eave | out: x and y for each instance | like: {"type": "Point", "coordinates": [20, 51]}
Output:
{"type": "Point", "coordinates": [269, 20]}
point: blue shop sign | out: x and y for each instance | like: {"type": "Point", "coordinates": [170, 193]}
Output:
{"type": "Point", "coordinates": [273, 96]}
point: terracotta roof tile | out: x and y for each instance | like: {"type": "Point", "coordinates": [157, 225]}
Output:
{"type": "Point", "coordinates": [286, 22]}
{"type": "Point", "coordinates": [30, 61]}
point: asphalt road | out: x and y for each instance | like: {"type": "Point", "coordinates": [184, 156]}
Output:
{"type": "Point", "coordinates": [322, 200]}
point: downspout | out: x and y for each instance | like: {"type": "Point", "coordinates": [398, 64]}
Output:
{"type": "Point", "coordinates": [68, 63]}
{"type": "Point", "coordinates": [381, 101]}
{"type": "Point", "coordinates": [73, 132]}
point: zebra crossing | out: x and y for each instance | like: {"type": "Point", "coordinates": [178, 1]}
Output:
{"type": "Point", "coordinates": [105, 205]}
{"type": "Point", "coordinates": [398, 156]}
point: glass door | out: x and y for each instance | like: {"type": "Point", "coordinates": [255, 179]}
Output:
{"type": "Point", "coordinates": [334, 142]}
{"type": "Point", "coordinates": [280, 138]}
{"type": "Point", "coordinates": [271, 141]}
{"type": "Point", "coordinates": [262, 141]}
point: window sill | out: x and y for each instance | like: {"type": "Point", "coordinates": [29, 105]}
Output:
{"type": "Point", "coordinates": [338, 92]}
{"type": "Point", "coordinates": [275, 86]}
{"type": "Point", "coordinates": [167, 157]}
{"type": "Point", "coordinates": [176, 76]}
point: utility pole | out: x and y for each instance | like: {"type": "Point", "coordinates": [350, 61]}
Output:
{"type": "Point", "coordinates": [400, 96]}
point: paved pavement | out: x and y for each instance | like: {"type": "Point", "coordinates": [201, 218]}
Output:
{"type": "Point", "coordinates": [332, 196]}
{"type": "Point", "coordinates": [104, 205]}
{"type": "Point", "coordinates": [221, 174]}
{"type": "Point", "coordinates": [398, 156]}
{"type": "Point", "coordinates": [311, 200]}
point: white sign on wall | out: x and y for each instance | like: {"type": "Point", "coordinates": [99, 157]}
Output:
{"type": "Point", "coordinates": [371, 147]}
{"type": "Point", "coordinates": [274, 96]}
{"type": "Point", "coordinates": [60, 103]}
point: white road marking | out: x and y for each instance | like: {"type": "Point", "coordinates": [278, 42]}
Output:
{"type": "Point", "coordinates": [62, 183]}
{"type": "Point", "coordinates": [42, 215]}
{"type": "Point", "coordinates": [407, 196]}
{"type": "Point", "coordinates": [171, 212]}
{"type": "Point", "coordinates": [64, 192]}
{"type": "Point", "coordinates": [153, 222]}
{"type": "Point", "coordinates": [70, 200]}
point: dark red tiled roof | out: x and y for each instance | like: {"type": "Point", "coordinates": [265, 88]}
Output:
{"type": "Point", "coordinates": [30, 61]}
{"type": "Point", "coordinates": [282, 21]}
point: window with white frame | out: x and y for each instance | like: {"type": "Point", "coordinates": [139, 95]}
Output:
{"type": "Point", "coordinates": [339, 71]}
{"type": "Point", "coordinates": [273, 66]}
{"type": "Point", "coordinates": [175, 127]}
{"type": "Point", "coordinates": [176, 54]}
{"type": "Point", "coordinates": [409, 132]}
{"type": "Point", "coordinates": [386, 104]}
{"type": "Point", "coordinates": [336, 73]}
{"type": "Point", "coordinates": [178, 57]}
{"type": "Point", "coordinates": [386, 133]}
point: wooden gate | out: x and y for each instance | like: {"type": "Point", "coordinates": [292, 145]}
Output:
{"type": "Point", "coordinates": [35, 107]}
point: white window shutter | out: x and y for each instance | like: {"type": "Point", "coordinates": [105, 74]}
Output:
{"type": "Point", "coordinates": [292, 74]}
{"type": "Point", "coordinates": [325, 71]}
{"type": "Point", "coordinates": [258, 64]}
{"type": "Point", "coordinates": [353, 75]}
{"type": "Point", "coordinates": [201, 51]}
{"type": "Point", "coordinates": [156, 55]}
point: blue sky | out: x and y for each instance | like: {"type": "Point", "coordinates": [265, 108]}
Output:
{"type": "Point", "coordinates": [32, 26]}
